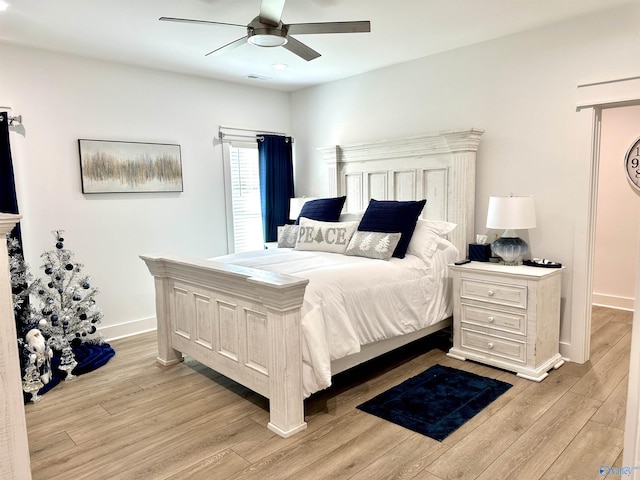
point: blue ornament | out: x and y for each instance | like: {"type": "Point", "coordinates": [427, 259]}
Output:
{"type": "Point", "coordinates": [59, 245]}
{"type": "Point", "coordinates": [86, 285]}
{"type": "Point", "coordinates": [77, 298]}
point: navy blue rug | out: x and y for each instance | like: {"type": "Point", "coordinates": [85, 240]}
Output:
{"type": "Point", "coordinates": [90, 356]}
{"type": "Point", "coordinates": [436, 402]}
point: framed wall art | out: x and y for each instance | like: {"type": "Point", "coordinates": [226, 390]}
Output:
{"type": "Point", "coordinates": [124, 167]}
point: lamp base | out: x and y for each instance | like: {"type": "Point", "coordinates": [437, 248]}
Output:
{"type": "Point", "coordinates": [510, 249]}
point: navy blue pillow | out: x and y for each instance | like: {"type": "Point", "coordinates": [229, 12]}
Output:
{"type": "Point", "coordinates": [323, 209]}
{"type": "Point", "coordinates": [393, 216]}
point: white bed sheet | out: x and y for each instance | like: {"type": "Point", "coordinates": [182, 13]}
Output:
{"type": "Point", "coordinates": [352, 301]}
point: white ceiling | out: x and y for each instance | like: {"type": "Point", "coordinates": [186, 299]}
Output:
{"type": "Point", "coordinates": [128, 31]}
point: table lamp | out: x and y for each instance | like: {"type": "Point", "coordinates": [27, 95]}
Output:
{"type": "Point", "coordinates": [510, 213]}
{"type": "Point", "coordinates": [295, 206]}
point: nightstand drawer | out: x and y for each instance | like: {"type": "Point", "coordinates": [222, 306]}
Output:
{"type": "Point", "coordinates": [498, 293]}
{"type": "Point", "coordinates": [494, 346]}
{"type": "Point", "coordinates": [509, 322]}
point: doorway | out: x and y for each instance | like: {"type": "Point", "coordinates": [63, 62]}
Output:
{"type": "Point", "coordinates": [618, 213]}
{"type": "Point", "coordinates": [592, 100]}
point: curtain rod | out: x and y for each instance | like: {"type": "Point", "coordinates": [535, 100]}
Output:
{"type": "Point", "coordinates": [230, 136]}
{"type": "Point", "coordinates": [257, 134]}
{"type": "Point", "coordinates": [12, 119]}
{"type": "Point", "coordinates": [251, 130]}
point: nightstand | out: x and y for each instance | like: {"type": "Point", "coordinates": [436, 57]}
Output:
{"type": "Point", "coordinates": [507, 317]}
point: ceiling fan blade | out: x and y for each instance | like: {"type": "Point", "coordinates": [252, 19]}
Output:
{"type": "Point", "coordinates": [329, 27]}
{"type": "Point", "coordinates": [228, 47]}
{"type": "Point", "coordinates": [206, 22]}
{"type": "Point", "coordinates": [300, 49]}
{"type": "Point", "coordinates": [271, 11]}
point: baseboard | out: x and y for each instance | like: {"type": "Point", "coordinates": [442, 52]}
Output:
{"type": "Point", "coordinates": [113, 332]}
{"type": "Point", "coordinates": [612, 301]}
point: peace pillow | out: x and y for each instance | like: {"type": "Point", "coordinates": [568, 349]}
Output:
{"type": "Point", "coordinates": [324, 236]}
{"type": "Point", "coordinates": [393, 216]}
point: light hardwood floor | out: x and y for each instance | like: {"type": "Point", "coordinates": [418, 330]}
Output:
{"type": "Point", "coordinates": [133, 419]}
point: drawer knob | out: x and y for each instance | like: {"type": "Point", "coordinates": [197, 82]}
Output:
{"type": "Point", "coordinates": [490, 345]}
{"type": "Point", "coordinates": [490, 293]}
{"type": "Point", "coordinates": [490, 319]}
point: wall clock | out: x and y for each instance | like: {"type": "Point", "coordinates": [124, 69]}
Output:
{"type": "Point", "coordinates": [632, 165]}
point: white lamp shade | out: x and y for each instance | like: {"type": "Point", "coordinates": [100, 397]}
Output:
{"type": "Point", "coordinates": [514, 213]}
{"type": "Point", "coordinates": [295, 206]}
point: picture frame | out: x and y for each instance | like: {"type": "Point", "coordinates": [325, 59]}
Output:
{"type": "Point", "coordinates": [129, 167]}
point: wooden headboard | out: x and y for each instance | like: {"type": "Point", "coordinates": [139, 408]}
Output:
{"type": "Point", "coordinates": [440, 167]}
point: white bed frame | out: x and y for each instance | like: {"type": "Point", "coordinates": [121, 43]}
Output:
{"type": "Point", "coordinates": [245, 323]}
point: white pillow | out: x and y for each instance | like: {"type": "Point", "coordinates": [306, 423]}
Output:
{"type": "Point", "coordinates": [424, 241]}
{"type": "Point", "coordinates": [438, 226]}
{"type": "Point", "coordinates": [373, 244]}
{"type": "Point", "coordinates": [351, 217]}
{"type": "Point", "coordinates": [325, 236]}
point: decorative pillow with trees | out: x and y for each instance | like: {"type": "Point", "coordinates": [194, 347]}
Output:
{"type": "Point", "coordinates": [373, 244]}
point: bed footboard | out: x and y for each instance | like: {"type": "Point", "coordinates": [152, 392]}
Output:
{"type": "Point", "coordinates": [241, 322]}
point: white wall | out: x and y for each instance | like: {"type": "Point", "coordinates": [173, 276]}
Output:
{"type": "Point", "coordinates": [618, 217]}
{"type": "Point", "coordinates": [63, 98]}
{"type": "Point", "coordinates": [521, 89]}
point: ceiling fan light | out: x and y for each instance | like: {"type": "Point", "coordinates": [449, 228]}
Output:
{"type": "Point", "coordinates": [267, 37]}
{"type": "Point", "coordinates": [267, 40]}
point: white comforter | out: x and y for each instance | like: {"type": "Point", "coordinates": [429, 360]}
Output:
{"type": "Point", "coordinates": [351, 301]}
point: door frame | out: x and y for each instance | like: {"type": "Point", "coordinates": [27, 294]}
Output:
{"type": "Point", "coordinates": [592, 99]}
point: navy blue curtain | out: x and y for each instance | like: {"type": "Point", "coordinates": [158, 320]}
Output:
{"type": "Point", "coordinates": [8, 197]}
{"type": "Point", "coordinates": [276, 182]}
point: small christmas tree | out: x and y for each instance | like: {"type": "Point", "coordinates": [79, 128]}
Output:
{"type": "Point", "coordinates": [56, 319]}
{"type": "Point", "coordinates": [68, 305]}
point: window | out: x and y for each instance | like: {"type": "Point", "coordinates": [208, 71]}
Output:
{"type": "Point", "coordinates": [245, 211]}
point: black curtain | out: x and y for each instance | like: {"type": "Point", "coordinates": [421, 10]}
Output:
{"type": "Point", "coordinates": [276, 182]}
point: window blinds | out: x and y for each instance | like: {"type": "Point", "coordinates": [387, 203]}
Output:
{"type": "Point", "coordinates": [245, 197]}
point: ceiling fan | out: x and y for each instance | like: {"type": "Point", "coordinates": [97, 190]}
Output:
{"type": "Point", "coordinates": [267, 30]}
